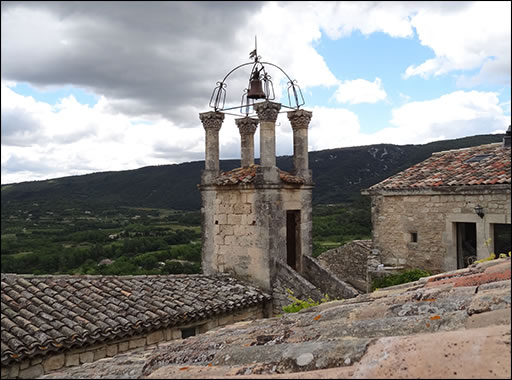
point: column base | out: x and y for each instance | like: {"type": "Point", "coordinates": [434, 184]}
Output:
{"type": "Point", "coordinates": [208, 177]}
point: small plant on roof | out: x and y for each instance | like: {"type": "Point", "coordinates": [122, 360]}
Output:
{"type": "Point", "coordinates": [298, 304]}
{"type": "Point", "coordinates": [492, 256]}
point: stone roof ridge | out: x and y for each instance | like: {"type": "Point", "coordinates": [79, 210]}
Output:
{"type": "Point", "coordinates": [245, 175]}
{"type": "Point", "coordinates": [490, 145]}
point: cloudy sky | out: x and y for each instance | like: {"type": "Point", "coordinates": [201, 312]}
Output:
{"type": "Point", "coordinates": [100, 86]}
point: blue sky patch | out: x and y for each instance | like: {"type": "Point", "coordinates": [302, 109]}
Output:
{"type": "Point", "coordinates": [55, 95]}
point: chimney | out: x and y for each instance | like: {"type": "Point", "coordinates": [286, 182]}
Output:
{"type": "Point", "coordinates": [247, 126]}
{"type": "Point", "coordinates": [506, 138]}
{"type": "Point", "coordinates": [212, 121]}
{"type": "Point", "coordinates": [299, 120]}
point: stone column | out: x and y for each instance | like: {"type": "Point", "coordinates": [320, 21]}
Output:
{"type": "Point", "coordinates": [267, 114]}
{"type": "Point", "coordinates": [247, 126]}
{"type": "Point", "coordinates": [299, 120]}
{"type": "Point", "coordinates": [212, 121]}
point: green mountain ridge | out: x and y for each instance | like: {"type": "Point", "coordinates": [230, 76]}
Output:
{"type": "Point", "coordinates": [339, 175]}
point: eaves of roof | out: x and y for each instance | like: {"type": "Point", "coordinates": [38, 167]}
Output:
{"type": "Point", "coordinates": [43, 314]}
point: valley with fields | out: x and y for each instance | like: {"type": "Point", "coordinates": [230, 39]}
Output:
{"type": "Point", "coordinates": [147, 221]}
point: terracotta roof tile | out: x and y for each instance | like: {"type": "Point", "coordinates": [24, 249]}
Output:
{"type": "Point", "coordinates": [247, 175]}
{"type": "Point", "coordinates": [480, 165]}
{"type": "Point", "coordinates": [59, 312]}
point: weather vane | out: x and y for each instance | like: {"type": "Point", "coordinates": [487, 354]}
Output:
{"type": "Point", "coordinates": [254, 53]}
{"type": "Point", "coordinates": [260, 87]}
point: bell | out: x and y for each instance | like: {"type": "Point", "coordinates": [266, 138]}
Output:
{"type": "Point", "coordinates": [256, 90]}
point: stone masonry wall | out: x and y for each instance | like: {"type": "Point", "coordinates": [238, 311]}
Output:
{"type": "Point", "coordinates": [234, 234]}
{"type": "Point", "coordinates": [32, 368]}
{"type": "Point", "coordinates": [326, 281]}
{"type": "Point", "coordinates": [432, 217]}
{"type": "Point", "coordinates": [349, 262]}
{"type": "Point", "coordinates": [244, 227]}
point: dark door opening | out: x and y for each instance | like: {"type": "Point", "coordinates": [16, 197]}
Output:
{"type": "Point", "coordinates": [466, 244]}
{"type": "Point", "coordinates": [293, 238]}
{"type": "Point", "coordinates": [502, 239]}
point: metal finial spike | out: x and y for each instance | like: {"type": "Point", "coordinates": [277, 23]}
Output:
{"type": "Point", "coordinates": [254, 53]}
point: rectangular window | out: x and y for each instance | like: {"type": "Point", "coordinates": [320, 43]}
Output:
{"type": "Point", "coordinates": [187, 332]}
{"type": "Point", "coordinates": [501, 238]}
{"type": "Point", "coordinates": [414, 237]}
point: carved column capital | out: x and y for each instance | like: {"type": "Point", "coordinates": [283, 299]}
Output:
{"type": "Point", "coordinates": [267, 111]}
{"type": "Point", "coordinates": [212, 120]}
{"type": "Point", "coordinates": [299, 119]}
{"type": "Point", "coordinates": [247, 125]}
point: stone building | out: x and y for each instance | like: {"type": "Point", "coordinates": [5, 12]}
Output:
{"type": "Point", "coordinates": [447, 211]}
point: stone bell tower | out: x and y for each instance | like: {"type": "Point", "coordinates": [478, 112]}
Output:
{"type": "Point", "coordinates": [256, 215]}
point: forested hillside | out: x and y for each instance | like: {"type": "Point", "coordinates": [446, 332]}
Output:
{"type": "Point", "coordinates": [339, 174]}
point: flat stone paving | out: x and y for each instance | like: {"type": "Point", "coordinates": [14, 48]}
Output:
{"type": "Point", "coordinates": [455, 325]}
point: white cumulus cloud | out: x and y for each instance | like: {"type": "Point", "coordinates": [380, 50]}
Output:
{"type": "Point", "coordinates": [360, 91]}
{"type": "Point", "coordinates": [457, 114]}
{"type": "Point", "coordinates": [472, 36]}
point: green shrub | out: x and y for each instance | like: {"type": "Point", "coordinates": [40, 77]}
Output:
{"type": "Point", "coordinates": [298, 304]}
{"type": "Point", "coordinates": [399, 278]}
{"type": "Point", "coordinates": [492, 256]}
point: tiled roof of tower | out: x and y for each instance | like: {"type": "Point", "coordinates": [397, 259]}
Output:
{"type": "Point", "coordinates": [480, 165]}
{"type": "Point", "coordinates": [247, 175]}
{"type": "Point", "coordinates": [43, 314]}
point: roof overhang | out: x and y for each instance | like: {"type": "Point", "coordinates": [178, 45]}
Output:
{"type": "Point", "coordinates": [442, 190]}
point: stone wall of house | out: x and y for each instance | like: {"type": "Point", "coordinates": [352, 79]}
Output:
{"type": "Point", "coordinates": [349, 262]}
{"type": "Point", "coordinates": [326, 281]}
{"type": "Point", "coordinates": [32, 368]}
{"type": "Point", "coordinates": [432, 216]}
